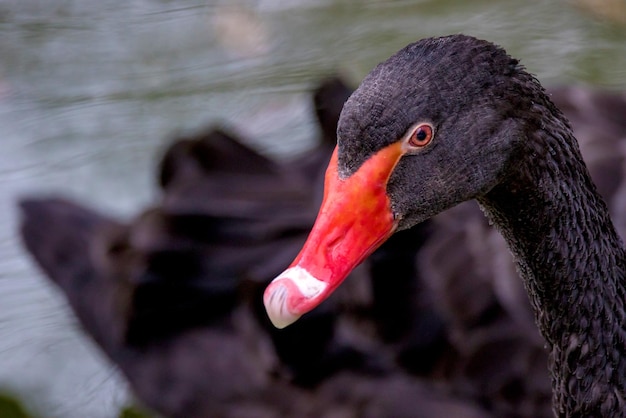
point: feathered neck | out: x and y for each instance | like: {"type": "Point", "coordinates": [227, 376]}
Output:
{"type": "Point", "coordinates": [573, 265]}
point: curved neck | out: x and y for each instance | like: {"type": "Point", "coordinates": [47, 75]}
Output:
{"type": "Point", "coordinates": [572, 262]}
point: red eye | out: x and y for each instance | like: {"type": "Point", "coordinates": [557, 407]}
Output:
{"type": "Point", "coordinates": [421, 135]}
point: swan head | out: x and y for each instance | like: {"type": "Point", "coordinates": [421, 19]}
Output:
{"type": "Point", "coordinates": [436, 124]}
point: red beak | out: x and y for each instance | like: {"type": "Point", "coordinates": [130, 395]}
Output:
{"type": "Point", "coordinates": [354, 220]}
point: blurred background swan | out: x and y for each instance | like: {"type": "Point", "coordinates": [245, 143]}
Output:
{"type": "Point", "coordinates": [91, 93]}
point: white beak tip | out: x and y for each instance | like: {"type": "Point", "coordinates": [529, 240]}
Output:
{"type": "Point", "coordinates": [295, 289]}
{"type": "Point", "coordinates": [275, 300]}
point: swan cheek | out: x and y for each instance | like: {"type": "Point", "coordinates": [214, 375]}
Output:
{"type": "Point", "coordinates": [355, 218]}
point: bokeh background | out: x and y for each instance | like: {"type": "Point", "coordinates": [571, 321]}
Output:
{"type": "Point", "coordinates": [92, 90]}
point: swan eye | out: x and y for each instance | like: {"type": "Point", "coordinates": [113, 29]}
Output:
{"type": "Point", "coordinates": [421, 135]}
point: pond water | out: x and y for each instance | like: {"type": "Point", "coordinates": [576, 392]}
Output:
{"type": "Point", "coordinates": [92, 90]}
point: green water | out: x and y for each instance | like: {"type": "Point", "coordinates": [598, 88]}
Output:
{"type": "Point", "coordinates": [91, 91]}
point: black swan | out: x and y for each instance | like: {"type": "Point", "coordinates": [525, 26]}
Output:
{"type": "Point", "coordinates": [451, 119]}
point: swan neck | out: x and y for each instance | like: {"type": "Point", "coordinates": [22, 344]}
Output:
{"type": "Point", "coordinates": [572, 262]}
